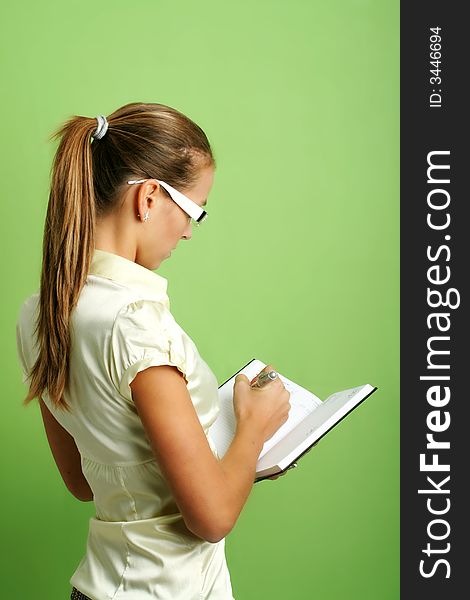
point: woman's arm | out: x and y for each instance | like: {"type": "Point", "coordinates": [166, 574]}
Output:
{"type": "Point", "coordinates": [66, 456]}
{"type": "Point", "coordinates": [210, 493]}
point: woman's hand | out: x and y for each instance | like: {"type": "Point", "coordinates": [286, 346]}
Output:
{"type": "Point", "coordinates": [263, 410]}
{"type": "Point", "coordinates": [283, 472]}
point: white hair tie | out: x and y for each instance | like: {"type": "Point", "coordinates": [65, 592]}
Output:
{"type": "Point", "coordinates": [101, 129]}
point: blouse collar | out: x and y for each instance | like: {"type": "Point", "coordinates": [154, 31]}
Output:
{"type": "Point", "coordinates": [129, 273]}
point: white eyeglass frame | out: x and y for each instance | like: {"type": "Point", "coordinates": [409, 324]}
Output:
{"type": "Point", "coordinates": [193, 210]}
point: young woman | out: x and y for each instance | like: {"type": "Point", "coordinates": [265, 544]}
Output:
{"type": "Point", "coordinates": [126, 398]}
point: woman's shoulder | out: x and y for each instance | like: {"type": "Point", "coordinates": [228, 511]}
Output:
{"type": "Point", "coordinates": [103, 304]}
{"type": "Point", "coordinates": [30, 302]}
{"type": "Point", "coordinates": [28, 310]}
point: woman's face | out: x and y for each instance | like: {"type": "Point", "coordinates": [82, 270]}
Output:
{"type": "Point", "coordinates": [167, 223]}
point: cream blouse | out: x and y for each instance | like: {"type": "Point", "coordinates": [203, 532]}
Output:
{"type": "Point", "coordinates": [138, 546]}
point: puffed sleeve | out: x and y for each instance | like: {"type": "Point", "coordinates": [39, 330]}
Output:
{"type": "Point", "coordinates": [143, 336]}
{"type": "Point", "coordinates": [26, 345]}
{"type": "Point", "coordinates": [21, 356]}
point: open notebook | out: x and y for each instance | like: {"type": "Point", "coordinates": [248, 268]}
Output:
{"type": "Point", "coordinates": [309, 419]}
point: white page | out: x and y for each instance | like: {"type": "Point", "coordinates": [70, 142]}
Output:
{"type": "Point", "coordinates": [331, 411]}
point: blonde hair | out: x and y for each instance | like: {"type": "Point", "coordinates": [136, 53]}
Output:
{"type": "Point", "coordinates": [143, 140]}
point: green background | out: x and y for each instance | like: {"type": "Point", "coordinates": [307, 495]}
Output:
{"type": "Point", "coordinates": [297, 264]}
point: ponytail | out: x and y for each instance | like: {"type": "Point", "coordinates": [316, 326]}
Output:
{"type": "Point", "coordinates": [68, 245]}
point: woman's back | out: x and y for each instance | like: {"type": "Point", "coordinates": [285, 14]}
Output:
{"type": "Point", "coordinates": [138, 545]}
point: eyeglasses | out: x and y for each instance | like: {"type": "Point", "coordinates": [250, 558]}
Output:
{"type": "Point", "coordinates": [193, 210]}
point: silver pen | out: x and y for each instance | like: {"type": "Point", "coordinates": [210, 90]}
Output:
{"type": "Point", "coordinates": [264, 378]}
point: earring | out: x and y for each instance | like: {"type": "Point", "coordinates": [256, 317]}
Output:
{"type": "Point", "coordinates": [146, 216]}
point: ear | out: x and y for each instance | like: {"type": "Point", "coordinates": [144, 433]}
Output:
{"type": "Point", "coordinates": [146, 197]}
